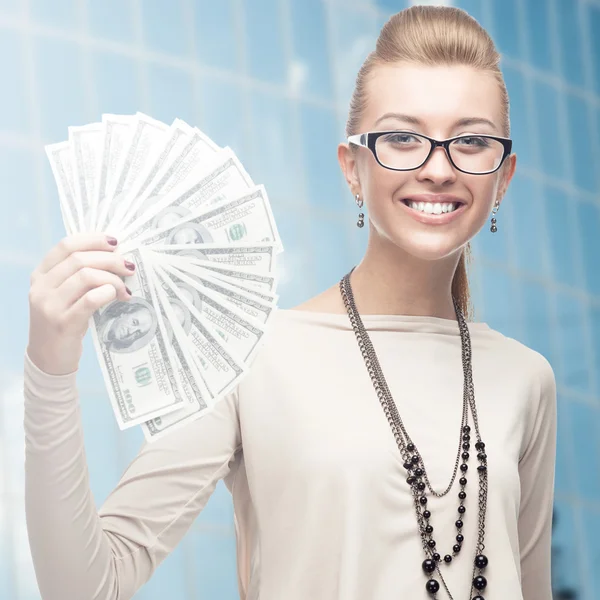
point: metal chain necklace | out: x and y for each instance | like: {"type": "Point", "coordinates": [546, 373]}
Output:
{"type": "Point", "coordinates": [417, 477]}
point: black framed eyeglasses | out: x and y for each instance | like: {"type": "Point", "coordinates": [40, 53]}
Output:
{"type": "Point", "coordinates": [478, 154]}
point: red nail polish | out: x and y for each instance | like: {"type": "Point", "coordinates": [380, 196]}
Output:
{"type": "Point", "coordinates": [111, 240]}
{"type": "Point", "coordinates": [128, 291]}
{"type": "Point", "coordinates": [129, 265]}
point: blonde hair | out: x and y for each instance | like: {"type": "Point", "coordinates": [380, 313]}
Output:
{"type": "Point", "coordinates": [433, 36]}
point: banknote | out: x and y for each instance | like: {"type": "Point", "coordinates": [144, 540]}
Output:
{"type": "Point", "coordinates": [258, 258]}
{"type": "Point", "coordinates": [116, 133]}
{"type": "Point", "coordinates": [59, 156]}
{"type": "Point", "coordinates": [86, 146]}
{"type": "Point", "coordinates": [136, 359]}
{"type": "Point", "coordinates": [247, 218]}
{"type": "Point", "coordinates": [197, 396]}
{"type": "Point", "coordinates": [259, 284]}
{"type": "Point", "coordinates": [180, 166]}
{"type": "Point", "coordinates": [145, 144]}
{"type": "Point", "coordinates": [220, 179]}
{"type": "Point", "coordinates": [221, 370]}
{"type": "Point", "coordinates": [231, 296]}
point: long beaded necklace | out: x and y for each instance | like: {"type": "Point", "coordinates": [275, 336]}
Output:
{"type": "Point", "coordinates": [417, 477]}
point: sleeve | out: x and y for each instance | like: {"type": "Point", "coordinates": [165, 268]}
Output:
{"type": "Point", "coordinates": [80, 552]}
{"type": "Point", "coordinates": [536, 471]}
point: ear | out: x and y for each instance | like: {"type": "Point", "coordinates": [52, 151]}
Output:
{"type": "Point", "coordinates": [507, 172]}
{"type": "Point", "coordinates": [347, 160]}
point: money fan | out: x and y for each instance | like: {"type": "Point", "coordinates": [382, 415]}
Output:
{"type": "Point", "coordinates": [204, 243]}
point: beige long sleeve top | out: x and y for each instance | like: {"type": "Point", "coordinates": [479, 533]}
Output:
{"type": "Point", "coordinates": [322, 507]}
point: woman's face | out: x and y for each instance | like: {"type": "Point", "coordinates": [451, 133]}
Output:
{"type": "Point", "coordinates": [430, 101]}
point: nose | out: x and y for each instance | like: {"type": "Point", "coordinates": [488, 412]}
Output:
{"type": "Point", "coordinates": [437, 168]}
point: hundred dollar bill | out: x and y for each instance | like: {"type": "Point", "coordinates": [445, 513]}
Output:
{"type": "Point", "coordinates": [241, 333]}
{"type": "Point", "coordinates": [59, 156]}
{"type": "Point", "coordinates": [247, 218]}
{"type": "Point", "coordinates": [258, 258]}
{"type": "Point", "coordinates": [221, 370]}
{"type": "Point", "coordinates": [197, 395]}
{"type": "Point", "coordinates": [116, 134]}
{"type": "Point", "coordinates": [144, 145]}
{"type": "Point", "coordinates": [86, 144]}
{"type": "Point", "coordinates": [230, 296]}
{"type": "Point", "coordinates": [259, 284]}
{"type": "Point", "coordinates": [134, 354]}
{"type": "Point", "coordinates": [179, 168]}
{"type": "Point", "coordinates": [223, 178]}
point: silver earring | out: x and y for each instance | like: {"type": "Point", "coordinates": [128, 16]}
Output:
{"type": "Point", "coordinates": [361, 216]}
{"type": "Point", "coordinates": [493, 227]}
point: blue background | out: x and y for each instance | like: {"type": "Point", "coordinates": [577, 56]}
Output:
{"type": "Point", "coordinates": [272, 79]}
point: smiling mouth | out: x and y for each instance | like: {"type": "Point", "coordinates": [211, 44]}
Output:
{"type": "Point", "coordinates": [432, 208]}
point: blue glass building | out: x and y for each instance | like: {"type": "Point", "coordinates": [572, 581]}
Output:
{"type": "Point", "coordinates": [272, 79]}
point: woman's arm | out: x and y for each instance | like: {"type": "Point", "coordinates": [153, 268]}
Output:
{"type": "Point", "coordinates": [536, 470]}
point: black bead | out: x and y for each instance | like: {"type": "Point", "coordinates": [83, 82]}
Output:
{"type": "Point", "coordinates": [480, 445]}
{"type": "Point", "coordinates": [432, 586]}
{"type": "Point", "coordinates": [418, 472]}
{"type": "Point", "coordinates": [428, 566]}
{"type": "Point", "coordinates": [462, 509]}
{"type": "Point", "coordinates": [456, 548]}
{"type": "Point", "coordinates": [423, 500]}
{"type": "Point", "coordinates": [410, 447]}
{"type": "Point", "coordinates": [408, 466]}
{"type": "Point", "coordinates": [462, 481]}
{"type": "Point", "coordinates": [448, 558]}
{"type": "Point", "coordinates": [426, 514]}
{"type": "Point", "coordinates": [466, 446]}
{"type": "Point", "coordinates": [464, 468]}
{"type": "Point", "coordinates": [414, 459]}
{"type": "Point", "coordinates": [466, 429]}
{"type": "Point", "coordinates": [459, 524]}
{"type": "Point", "coordinates": [465, 455]}
{"type": "Point", "coordinates": [431, 543]}
{"type": "Point", "coordinates": [436, 557]}
{"type": "Point", "coordinates": [482, 456]}
{"type": "Point", "coordinates": [482, 468]}
{"type": "Point", "coordinates": [466, 437]}
{"type": "Point", "coordinates": [479, 598]}
{"type": "Point", "coordinates": [481, 561]}
{"type": "Point", "coordinates": [421, 486]}
{"type": "Point", "coordinates": [429, 529]}
{"type": "Point", "coordinates": [480, 582]}
{"type": "Point", "coordinates": [410, 480]}
{"type": "Point", "coordinates": [462, 495]}
{"type": "Point", "coordinates": [460, 538]}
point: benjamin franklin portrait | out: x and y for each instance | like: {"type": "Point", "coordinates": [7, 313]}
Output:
{"type": "Point", "coordinates": [128, 326]}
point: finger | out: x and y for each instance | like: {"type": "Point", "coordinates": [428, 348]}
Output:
{"type": "Point", "coordinates": [106, 261]}
{"type": "Point", "coordinates": [85, 280]}
{"type": "Point", "coordinates": [90, 302]}
{"type": "Point", "coordinates": [78, 242]}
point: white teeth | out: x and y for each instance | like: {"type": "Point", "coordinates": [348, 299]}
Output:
{"type": "Point", "coordinates": [433, 208]}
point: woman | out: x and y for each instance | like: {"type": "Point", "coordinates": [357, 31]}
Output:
{"type": "Point", "coordinates": [363, 400]}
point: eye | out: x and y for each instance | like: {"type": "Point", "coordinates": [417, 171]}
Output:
{"type": "Point", "coordinates": [472, 140]}
{"type": "Point", "coordinates": [400, 138]}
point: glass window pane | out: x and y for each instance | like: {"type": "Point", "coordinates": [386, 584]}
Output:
{"type": "Point", "coordinates": [500, 295]}
{"type": "Point", "coordinates": [537, 15]}
{"type": "Point", "coordinates": [592, 20]}
{"type": "Point", "coordinates": [536, 316]}
{"type": "Point", "coordinates": [172, 94]}
{"type": "Point", "coordinates": [112, 20]}
{"type": "Point", "coordinates": [585, 173]}
{"type": "Point", "coordinates": [570, 40]}
{"type": "Point", "coordinates": [14, 103]}
{"type": "Point", "coordinates": [523, 144]}
{"type": "Point", "coordinates": [546, 103]}
{"type": "Point", "coordinates": [506, 28]}
{"type": "Point", "coordinates": [58, 13]}
{"type": "Point", "coordinates": [215, 574]}
{"type": "Point", "coordinates": [586, 441]}
{"type": "Point", "coordinates": [589, 225]}
{"type": "Point", "coordinates": [165, 27]}
{"type": "Point", "coordinates": [217, 44]}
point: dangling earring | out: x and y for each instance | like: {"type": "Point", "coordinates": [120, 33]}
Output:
{"type": "Point", "coordinates": [361, 216]}
{"type": "Point", "coordinates": [494, 228]}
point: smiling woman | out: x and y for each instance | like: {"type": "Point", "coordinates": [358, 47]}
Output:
{"type": "Point", "coordinates": [383, 445]}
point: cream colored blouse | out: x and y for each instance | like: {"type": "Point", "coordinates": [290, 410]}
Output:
{"type": "Point", "coordinates": [322, 507]}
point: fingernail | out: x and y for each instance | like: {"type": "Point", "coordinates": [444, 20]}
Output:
{"type": "Point", "coordinates": [128, 291]}
{"type": "Point", "coordinates": [129, 265]}
{"type": "Point", "coordinates": [111, 240]}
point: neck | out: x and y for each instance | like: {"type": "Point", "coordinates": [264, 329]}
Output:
{"type": "Point", "coordinates": [390, 281]}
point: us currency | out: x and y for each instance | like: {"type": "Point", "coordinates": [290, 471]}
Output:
{"type": "Point", "coordinates": [195, 392]}
{"type": "Point", "coordinates": [247, 218]}
{"type": "Point", "coordinates": [242, 333]}
{"type": "Point", "coordinates": [235, 298]}
{"type": "Point", "coordinates": [179, 168]}
{"type": "Point", "coordinates": [221, 370]}
{"type": "Point", "coordinates": [59, 156]}
{"type": "Point", "coordinates": [144, 145]}
{"type": "Point", "coordinates": [85, 144]}
{"type": "Point", "coordinates": [116, 133]}
{"type": "Point", "coordinates": [135, 358]}
{"type": "Point", "coordinates": [259, 284]}
{"type": "Point", "coordinates": [259, 258]}
{"type": "Point", "coordinates": [223, 178]}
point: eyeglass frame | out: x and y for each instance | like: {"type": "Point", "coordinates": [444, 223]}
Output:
{"type": "Point", "coordinates": [369, 140]}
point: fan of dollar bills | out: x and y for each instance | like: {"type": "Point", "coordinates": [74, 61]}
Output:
{"type": "Point", "coordinates": [203, 241]}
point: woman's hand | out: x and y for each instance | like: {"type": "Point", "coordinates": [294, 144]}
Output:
{"type": "Point", "coordinates": [78, 276]}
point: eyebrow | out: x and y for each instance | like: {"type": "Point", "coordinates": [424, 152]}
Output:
{"type": "Point", "coordinates": [415, 121]}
